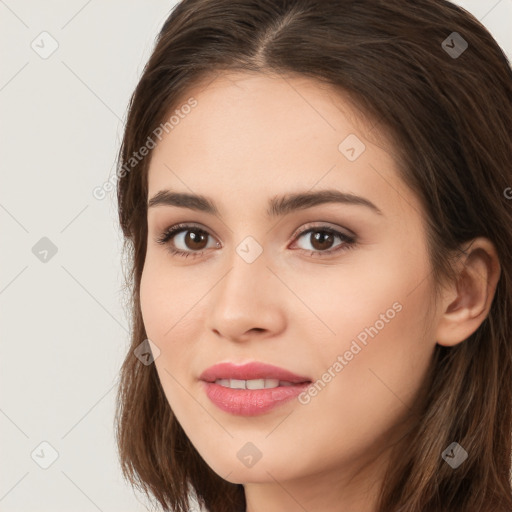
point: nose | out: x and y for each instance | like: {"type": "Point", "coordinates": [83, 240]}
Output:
{"type": "Point", "coordinates": [247, 301]}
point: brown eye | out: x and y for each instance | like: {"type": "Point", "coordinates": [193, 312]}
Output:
{"type": "Point", "coordinates": [322, 240]}
{"type": "Point", "coordinates": [195, 240]}
{"type": "Point", "coordinates": [185, 240]}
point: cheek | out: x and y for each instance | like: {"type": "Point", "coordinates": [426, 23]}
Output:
{"type": "Point", "coordinates": [163, 297]}
{"type": "Point", "coordinates": [170, 307]}
{"type": "Point", "coordinates": [385, 290]}
{"type": "Point", "coordinates": [361, 400]}
{"type": "Point", "coordinates": [376, 315]}
{"type": "Point", "coordinates": [163, 309]}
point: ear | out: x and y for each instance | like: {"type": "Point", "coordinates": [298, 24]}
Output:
{"type": "Point", "coordinates": [466, 302]}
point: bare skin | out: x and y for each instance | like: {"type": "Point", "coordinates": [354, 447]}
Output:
{"type": "Point", "coordinates": [250, 138]}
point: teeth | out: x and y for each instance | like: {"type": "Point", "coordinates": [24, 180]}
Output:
{"type": "Point", "coordinates": [252, 384]}
{"type": "Point", "coordinates": [237, 384]}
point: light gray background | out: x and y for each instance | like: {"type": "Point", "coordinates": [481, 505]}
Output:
{"type": "Point", "coordinates": [64, 331]}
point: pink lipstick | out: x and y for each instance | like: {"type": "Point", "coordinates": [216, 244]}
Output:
{"type": "Point", "coordinates": [251, 389]}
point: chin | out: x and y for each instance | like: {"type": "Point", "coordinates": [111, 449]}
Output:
{"type": "Point", "coordinates": [235, 472]}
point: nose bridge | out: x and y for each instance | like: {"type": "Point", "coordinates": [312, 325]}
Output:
{"type": "Point", "coordinates": [245, 298]}
{"type": "Point", "coordinates": [248, 276]}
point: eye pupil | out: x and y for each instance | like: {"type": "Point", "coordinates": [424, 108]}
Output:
{"type": "Point", "coordinates": [320, 237]}
{"type": "Point", "coordinates": [192, 239]}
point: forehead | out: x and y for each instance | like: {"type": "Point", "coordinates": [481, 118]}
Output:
{"type": "Point", "coordinates": [254, 105]}
{"type": "Point", "coordinates": [262, 135]}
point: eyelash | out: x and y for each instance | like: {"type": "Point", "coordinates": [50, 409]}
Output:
{"type": "Point", "coordinates": [349, 242]}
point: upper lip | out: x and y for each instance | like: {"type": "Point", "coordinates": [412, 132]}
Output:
{"type": "Point", "coordinates": [250, 371]}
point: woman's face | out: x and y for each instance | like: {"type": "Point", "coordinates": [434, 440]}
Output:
{"type": "Point", "coordinates": [280, 289]}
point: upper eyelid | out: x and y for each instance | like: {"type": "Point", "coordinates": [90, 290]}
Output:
{"type": "Point", "coordinates": [323, 225]}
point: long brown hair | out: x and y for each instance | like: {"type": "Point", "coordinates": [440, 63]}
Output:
{"type": "Point", "coordinates": [448, 109]}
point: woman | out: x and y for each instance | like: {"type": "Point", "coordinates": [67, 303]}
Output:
{"type": "Point", "coordinates": [316, 201]}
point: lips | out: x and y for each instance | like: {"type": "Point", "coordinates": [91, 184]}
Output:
{"type": "Point", "coordinates": [251, 371]}
{"type": "Point", "coordinates": [238, 390]}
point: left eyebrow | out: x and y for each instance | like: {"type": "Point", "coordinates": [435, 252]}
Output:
{"type": "Point", "coordinates": [277, 205]}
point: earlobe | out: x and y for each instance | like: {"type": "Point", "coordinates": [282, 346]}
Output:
{"type": "Point", "coordinates": [467, 301]}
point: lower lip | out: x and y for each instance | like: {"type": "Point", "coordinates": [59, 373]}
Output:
{"type": "Point", "coordinates": [251, 402]}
